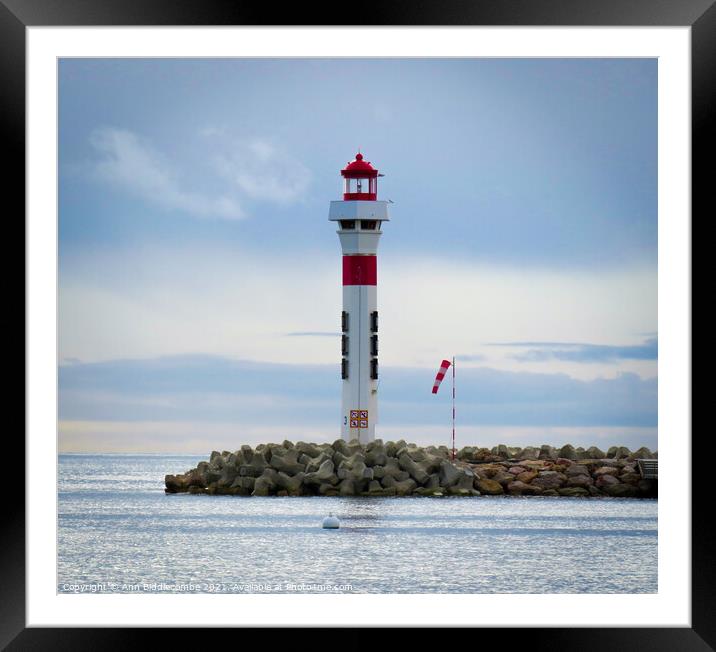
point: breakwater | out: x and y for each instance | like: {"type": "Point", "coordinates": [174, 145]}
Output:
{"type": "Point", "coordinates": [403, 469]}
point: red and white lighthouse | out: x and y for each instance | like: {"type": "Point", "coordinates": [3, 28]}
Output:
{"type": "Point", "coordinates": [359, 216]}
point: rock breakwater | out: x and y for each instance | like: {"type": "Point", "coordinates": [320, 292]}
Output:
{"type": "Point", "coordinates": [403, 469]}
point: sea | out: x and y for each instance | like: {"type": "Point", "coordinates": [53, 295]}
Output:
{"type": "Point", "coordinates": [118, 532]}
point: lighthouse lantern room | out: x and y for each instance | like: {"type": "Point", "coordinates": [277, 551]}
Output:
{"type": "Point", "coordinates": [359, 217]}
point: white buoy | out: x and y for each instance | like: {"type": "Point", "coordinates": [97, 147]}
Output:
{"type": "Point", "coordinates": [331, 522]}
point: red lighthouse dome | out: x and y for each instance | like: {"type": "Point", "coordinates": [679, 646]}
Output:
{"type": "Point", "coordinates": [360, 180]}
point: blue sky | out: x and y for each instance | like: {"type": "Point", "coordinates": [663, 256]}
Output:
{"type": "Point", "coordinates": [199, 276]}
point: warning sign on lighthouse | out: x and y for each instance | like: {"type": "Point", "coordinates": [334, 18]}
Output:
{"type": "Point", "coordinates": [359, 418]}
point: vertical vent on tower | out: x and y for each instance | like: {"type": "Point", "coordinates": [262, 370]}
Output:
{"type": "Point", "coordinates": [344, 368]}
{"type": "Point", "coordinates": [374, 345]}
{"type": "Point", "coordinates": [374, 369]}
{"type": "Point", "coordinates": [344, 321]}
{"type": "Point", "coordinates": [374, 321]}
{"type": "Point", "coordinates": [344, 345]}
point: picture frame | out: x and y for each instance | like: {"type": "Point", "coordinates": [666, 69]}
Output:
{"type": "Point", "coordinates": [17, 15]}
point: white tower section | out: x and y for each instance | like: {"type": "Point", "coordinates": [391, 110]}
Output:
{"type": "Point", "coordinates": [359, 217]}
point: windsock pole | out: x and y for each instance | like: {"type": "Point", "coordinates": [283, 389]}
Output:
{"type": "Point", "coordinates": [453, 408]}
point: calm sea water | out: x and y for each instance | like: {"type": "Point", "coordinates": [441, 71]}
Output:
{"type": "Point", "coordinates": [119, 532]}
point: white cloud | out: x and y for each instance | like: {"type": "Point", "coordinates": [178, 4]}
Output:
{"type": "Point", "coordinates": [133, 165]}
{"type": "Point", "coordinates": [237, 303]}
{"type": "Point", "coordinates": [265, 172]}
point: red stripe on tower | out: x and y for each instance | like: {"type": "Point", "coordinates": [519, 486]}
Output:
{"type": "Point", "coordinates": [360, 270]}
{"type": "Point", "coordinates": [444, 366]}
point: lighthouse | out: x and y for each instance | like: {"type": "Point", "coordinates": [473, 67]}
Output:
{"type": "Point", "coordinates": [359, 216]}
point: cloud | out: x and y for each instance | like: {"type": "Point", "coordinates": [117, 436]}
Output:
{"type": "Point", "coordinates": [312, 334]}
{"type": "Point", "coordinates": [236, 301]}
{"type": "Point", "coordinates": [471, 358]}
{"type": "Point", "coordinates": [304, 400]}
{"type": "Point", "coordinates": [261, 170]}
{"type": "Point", "coordinates": [580, 352]}
{"type": "Point", "coordinates": [130, 164]}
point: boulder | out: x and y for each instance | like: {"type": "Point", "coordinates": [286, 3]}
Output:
{"type": "Point", "coordinates": [243, 485]}
{"type": "Point", "coordinates": [308, 449]}
{"type": "Point", "coordinates": [354, 446]}
{"type": "Point", "coordinates": [328, 490]}
{"type": "Point", "coordinates": [577, 469]}
{"type": "Point", "coordinates": [325, 470]}
{"type": "Point", "coordinates": [643, 454]}
{"type": "Point", "coordinates": [573, 491]}
{"type": "Point", "coordinates": [606, 480]}
{"type": "Point", "coordinates": [466, 481]}
{"type": "Point", "coordinates": [549, 480]}
{"type": "Point", "coordinates": [374, 486]}
{"type": "Point", "coordinates": [407, 463]}
{"type": "Point", "coordinates": [211, 476]}
{"type": "Point", "coordinates": [489, 487]}
{"type": "Point", "coordinates": [228, 474]}
{"type": "Point", "coordinates": [567, 452]}
{"type": "Point", "coordinates": [516, 470]}
{"type": "Point", "coordinates": [518, 488]}
{"type": "Point", "coordinates": [503, 477]}
{"type": "Point", "coordinates": [405, 487]}
{"type": "Point", "coordinates": [594, 453]}
{"type": "Point", "coordinates": [388, 481]}
{"type": "Point", "coordinates": [265, 484]}
{"type": "Point", "coordinates": [630, 478]}
{"type": "Point", "coordinates": [547, 453]}
{"type": "Point", "coordinates": [286, 461]}
{"type": "Point", "coordinates": [315, 462]}
{"type": "Point", "coordinates": [528, 453]}
{"type": "Point", "coordinates": [292, 484]}
{"type": "Point", "coordinates": [347, 487]}
{"type": "Point", "coordinates": [173, 484]}
{"type": "Point", "coordinates": [391, 468]}
{"type": "Point", "coordinates": [527, 476]}
{"type": "Point", "coordinates": [488, 470]}
{"type": "Point", "coordinates": [376, 456]}
{"type": "Point", "coordinates": [536, 465]}
{"type": "Point", "coordinates": [449, 474]}
{"type": "Point", "coordinates": [582, 480]}
{"type": "Point", "coordinates": [564, 461]}
{"type": "Point", "coordinates": [339, 446]}
{"type": "Point", "coordinates": [606, 470]}
{"type": "Point", "coordinates": [466, 453]}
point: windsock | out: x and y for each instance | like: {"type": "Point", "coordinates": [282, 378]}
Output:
{"type": "Point", "coordinates": [444, 365]}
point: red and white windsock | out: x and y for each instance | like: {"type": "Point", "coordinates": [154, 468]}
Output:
{"type": "Point", "coordinates": [444, 366]}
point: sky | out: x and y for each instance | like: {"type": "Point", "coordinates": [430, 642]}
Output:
{"type": "Point", "coordinates": [199, 277]}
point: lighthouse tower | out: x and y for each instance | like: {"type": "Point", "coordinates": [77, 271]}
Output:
{"type": "Point", "coordinates": [359, 217]}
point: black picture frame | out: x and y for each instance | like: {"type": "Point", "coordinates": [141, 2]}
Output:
{"type": "Point", "coordinates": [700, 15]}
